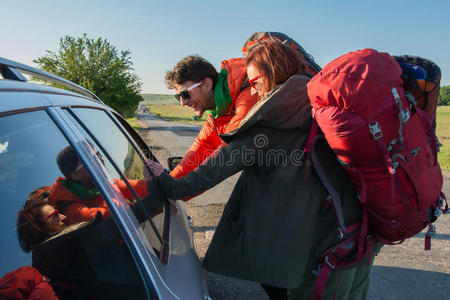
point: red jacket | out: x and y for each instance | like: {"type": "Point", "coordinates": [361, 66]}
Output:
{"type": "Point", "coordinates": [26, 283]}
{"type": "Point", "coordinates": [208, 140]}
{"type": "Point", "coordinates": [78, 210]}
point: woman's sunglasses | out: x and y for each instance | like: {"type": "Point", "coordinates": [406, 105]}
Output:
{"type": "Point", "coordinates": [251, 81]}
{"type": "Point", "coordinates": [185, 93]}
{"type": "Point", "coordinates": [53, 214]}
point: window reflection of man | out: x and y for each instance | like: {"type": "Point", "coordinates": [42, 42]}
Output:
{"type": "Point", "coordinates": [76, 195]}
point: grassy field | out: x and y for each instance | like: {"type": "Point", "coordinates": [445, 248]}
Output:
{"type": "Point", "coordinates": [175, 113]}
{"type": "Point", "coordinates": [160, 99]}
{"type": "Point", "coordinates": [443, 133]}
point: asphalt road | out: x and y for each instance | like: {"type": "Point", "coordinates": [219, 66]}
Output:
{"type": "Point", "coordinates": [404, 272]}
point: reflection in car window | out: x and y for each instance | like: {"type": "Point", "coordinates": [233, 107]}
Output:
{"type": "Point", "coordinates": [82, 260]}
{"type": "Point", "coordinates": [127, 160]}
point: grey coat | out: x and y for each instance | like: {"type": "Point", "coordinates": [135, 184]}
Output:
{"type": "Point", "coordinates": [273, 227]}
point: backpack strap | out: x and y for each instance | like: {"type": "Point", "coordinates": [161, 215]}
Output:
{"type": "Point", "coordinates": [340, 257]}
{"type": "Point", "coordinates": [430, 131]}
{"type": "Point", "coordinates": [352, 249]}
{"type": "Point", "coordinates": [441, 207]}
{"type": "Point", "coordinates": [327, 183]}
{"type": "Point", "coordinates": [313, 132]}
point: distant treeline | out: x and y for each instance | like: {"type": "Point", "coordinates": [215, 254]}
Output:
{"type": "Point", "coordinates": [159, 99]}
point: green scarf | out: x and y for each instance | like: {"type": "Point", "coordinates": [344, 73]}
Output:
{"type": "Point", "coordinates": [83, 193]}
{"type": "Point", "coordinates": [222, 95]}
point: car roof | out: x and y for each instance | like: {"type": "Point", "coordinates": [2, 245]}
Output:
{"type": "Point", "coordinates": [14, 81]}
{"type": "Point", "coordinates": [13, 70]}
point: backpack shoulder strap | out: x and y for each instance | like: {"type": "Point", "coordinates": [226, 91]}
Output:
{"type": "Point", "coordinates": [327, 183]}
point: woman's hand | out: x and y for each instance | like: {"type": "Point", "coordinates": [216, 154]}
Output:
{"type": "Point", "coordinates": [154, 167]}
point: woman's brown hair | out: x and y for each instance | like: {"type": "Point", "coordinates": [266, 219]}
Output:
{"type": "Point", "coordinates": [277, 60]}
{"type": "Point", "coordinates": [31, 229]}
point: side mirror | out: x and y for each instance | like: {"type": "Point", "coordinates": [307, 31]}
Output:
{"type": "Point", "coordinates": [173, 161]}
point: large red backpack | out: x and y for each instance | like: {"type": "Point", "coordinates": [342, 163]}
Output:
{"type": "Point", "coordinates": [385, 141]}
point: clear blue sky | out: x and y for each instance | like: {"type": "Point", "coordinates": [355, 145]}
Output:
{"type": "Point", "coordinates": [159, 33]}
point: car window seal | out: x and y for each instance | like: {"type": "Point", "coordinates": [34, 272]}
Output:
{"type": "Point", "coordinates": [21, 110]}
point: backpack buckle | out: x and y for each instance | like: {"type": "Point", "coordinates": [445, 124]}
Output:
{"type": "Point", "coordinates": [329, 264]}
{"type": "Point", "coordinates": [404, 115]}
{"type": "Point", "coordinates": [414, 152]}
{"type": "Point", "coordinates": [411, 99]}
{"type": "Point", "coordinates": [395, 163]}
{"type": "Point", "coordinates": [437, 212]}
{"type": "Point", "coordinates": [375, 130]}
{"type": "Point", "coordinates": [396, 96]}
{"type": "Point", "coordinates": [431, 230]}
{"type": "Point", "coordinates": [340, 233]}
{"type": "Point", "coordinates": [443, 204]}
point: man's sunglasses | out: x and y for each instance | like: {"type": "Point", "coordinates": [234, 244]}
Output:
{"type": "Point", "coordinates": [185, 93]}
{"type": "Point", "coordinates": [53, 214]}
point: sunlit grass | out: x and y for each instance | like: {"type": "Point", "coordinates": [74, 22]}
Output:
{"type": "Point", "coordinates": [443, 133]}
{"type": "Point", "coordinates": [175, 113]}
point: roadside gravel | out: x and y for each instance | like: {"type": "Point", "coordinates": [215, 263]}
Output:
{"type": "Point", "coordinates": [205, 220]}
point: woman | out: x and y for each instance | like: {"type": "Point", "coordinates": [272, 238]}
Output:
{"type": "Point", "coordinates": [277, 221]}
{"type": "Point", "coordinates": [38, 219]}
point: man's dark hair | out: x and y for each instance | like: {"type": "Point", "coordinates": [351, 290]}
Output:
{"type": "Point", "coordinates": [67, 161]}
{"type": "Point", "coordinates": [191, 68]}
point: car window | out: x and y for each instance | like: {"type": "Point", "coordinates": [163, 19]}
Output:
{"type": "Point", "coordinates": [135, 136]}
{"type": "Point", "coordinates": [123, 155]}
{"type": "Point", "coordinates": [46, 221]}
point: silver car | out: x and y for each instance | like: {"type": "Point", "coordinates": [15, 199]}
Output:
{"type": "Point", "coordinates": [141, 249]}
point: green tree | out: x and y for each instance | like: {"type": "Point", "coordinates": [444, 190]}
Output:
{"type": "Point", "coordinates": [444, 95]}
{"type": "Point", "coordinates": [97, 65]}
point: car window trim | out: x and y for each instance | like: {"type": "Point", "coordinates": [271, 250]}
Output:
{"type": "Point", "coordinates": [113, 163]}
{"type": "Point", "coordinates": [73, 136]}
{"type": "Point", "coordinates": [165, 245]}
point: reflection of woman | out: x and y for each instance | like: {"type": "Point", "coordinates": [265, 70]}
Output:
{"type": "Point", "coordinates": [271, 230]}
{"type": "Point", "coordinates": [38, 219]}
{"type": "Point", "coordinates": [35, 223]}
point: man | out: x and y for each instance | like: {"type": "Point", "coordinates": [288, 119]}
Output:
{"type": "Point", "coordinates": [76, 196]}
{"type": "Point", "coordinates": [224, 95]}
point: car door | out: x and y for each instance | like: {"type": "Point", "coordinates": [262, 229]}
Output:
{"type": "Point", "coordinates": [117, 257]}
